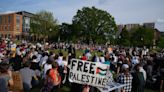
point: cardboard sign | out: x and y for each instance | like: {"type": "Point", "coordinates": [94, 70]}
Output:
{"type": "Point", "coordinates": [87, 72]}
{"type": "Point", "coordinates": [18, 85]}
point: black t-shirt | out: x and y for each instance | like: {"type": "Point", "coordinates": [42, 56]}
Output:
{"type": "Point", "coordinates": [160, 62]}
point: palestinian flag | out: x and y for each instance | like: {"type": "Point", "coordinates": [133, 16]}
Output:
{"type": "Point", "coordinates": [101, 71]}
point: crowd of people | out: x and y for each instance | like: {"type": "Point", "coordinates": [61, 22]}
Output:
{"type": "Point", "coordinates": [39, 64]}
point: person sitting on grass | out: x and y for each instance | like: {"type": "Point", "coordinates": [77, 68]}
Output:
{"type": "Point", "coordinates": [54, 75]}
{"type": "Point", "coordinates": [5, 77]}
{"type": "Point", "coordinates": [27, 75]}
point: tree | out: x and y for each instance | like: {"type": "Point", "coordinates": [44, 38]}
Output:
{"type": "Point", "coordinates": [94, 25]}
{"type": "Point", "coordinates": [43, 25]}
{"type": "Point", "coordinates": [142, 37]}
{"type": "Point", "coordinates": [124, 38]}
{"type": "Point", "coordinates": [161, 42]}
{"type": "Point", "coordinates": [66, 32]}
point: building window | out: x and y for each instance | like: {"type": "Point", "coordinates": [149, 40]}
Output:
{"type": "Point", "coordinates": [1, 35]}
{"type": "Point", "coordinates": [27, 22]}
{"type": "Point", "coordinates": [8, 28]}
{"type": "Point", "coordinates": [9, 19]}
{"type": "Point", "coordinates": [5, 20]}
{"type": "Point", "coordinates": [4, 28]}
{"type": "Point", "coordinates": [18, 22]}
{"type": "Point", "coordinates": [0, 19]}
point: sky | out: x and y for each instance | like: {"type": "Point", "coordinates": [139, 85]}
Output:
{"type": "Point", "coordinates": [124, 11]}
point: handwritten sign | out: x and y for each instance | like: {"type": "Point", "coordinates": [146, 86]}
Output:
{"type": "Point", "coordinates": [87, 72]}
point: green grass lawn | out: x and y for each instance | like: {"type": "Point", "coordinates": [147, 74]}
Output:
{"type": "Point", "coordinates": [78, 52]}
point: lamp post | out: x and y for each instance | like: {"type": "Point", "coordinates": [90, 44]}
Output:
{"type": "Point", "coordinates": [49, 33]}
{"type": "Point", "coordinates": [142, 41]}
{"type": "Point", "coordinates": [119, 38]}
{"type": "Point", "coordinates": [50, 30]}
{"type": "Point", "coordinates": [114, 37]}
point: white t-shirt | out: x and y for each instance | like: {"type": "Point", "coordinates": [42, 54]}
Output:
{"type": "Point", "coordinates": [59, 61]}
{"type": "Point", "coordinates": [43, 60]}
{"type": "Point", "coordinates": [135, 60]}
{"type": "Point", "coordinates": [88, 55]}
{"type": "Point", "coordinates": [97, 59]}
{"type": "Point", "coordinates": [115, 59]}
{"type": "Point", "coordinates": [64, 63]}
{"type": "Point", "coordinates": [144, 72]}
{"type": "Point", "coordinates": [102, 59]}
{"type": "Point", "coordinates": [47, 67]}
{"type": "Point", "coordinates": [38, 57]}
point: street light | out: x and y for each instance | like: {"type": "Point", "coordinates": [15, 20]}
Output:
{"type": "Point", "coordinates": [119, 38]}
{"type": "Point", "coordinates": [50, 30]}
{"type": "Point", "coordinates": [142, 40]}
{"type": "Point", "coordinates": [49, 33]}
{"type": "Point", "coordinates": [114, 37]}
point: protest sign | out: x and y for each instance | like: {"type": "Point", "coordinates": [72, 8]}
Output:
{"type": "Point", "coordinates": [18, 86]}
{"type": "Point", "coordinates": [87, 72]}
{"type": "Point", "coordinates": [111, 86]}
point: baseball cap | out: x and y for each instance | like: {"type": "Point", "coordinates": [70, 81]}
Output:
{"type": "Point", "coordinates": [125, 66]}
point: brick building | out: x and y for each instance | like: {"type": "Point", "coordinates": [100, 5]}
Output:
{"type": "Point", "coordinates": [26, 18]}
{"type": "Point", "coordinates": [10, 25]}
{"type": "Point", "coordinates": [15, 25]}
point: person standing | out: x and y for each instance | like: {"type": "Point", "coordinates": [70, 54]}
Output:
{"type": "Point", "coordinates": [138, 80]}
{"type": "Point", "coordinates": [161, 71]}
{"type": "Point", "coordinates": [125, 78]}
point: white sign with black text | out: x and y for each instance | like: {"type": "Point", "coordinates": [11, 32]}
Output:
{"type": "Point", "coordinates": [87, 72]}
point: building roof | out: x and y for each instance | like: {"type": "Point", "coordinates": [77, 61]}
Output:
{"type": "Point", "coordinates": [24, 13]}
{"type": "Point", "coordinates": [8, 12]}
{"type": "Point", "coordinates": [159, 26]}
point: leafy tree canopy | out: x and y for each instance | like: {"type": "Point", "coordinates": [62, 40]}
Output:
{"type": "Point", "coordinates": [142, 37]}
{"type": "Point", "coordinates": [94, 25]}
{"type": "Point", "coordinates": [44, 24]}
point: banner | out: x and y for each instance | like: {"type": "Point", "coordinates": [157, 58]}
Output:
{"type": "Point", "coordinates": [87, 72]}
